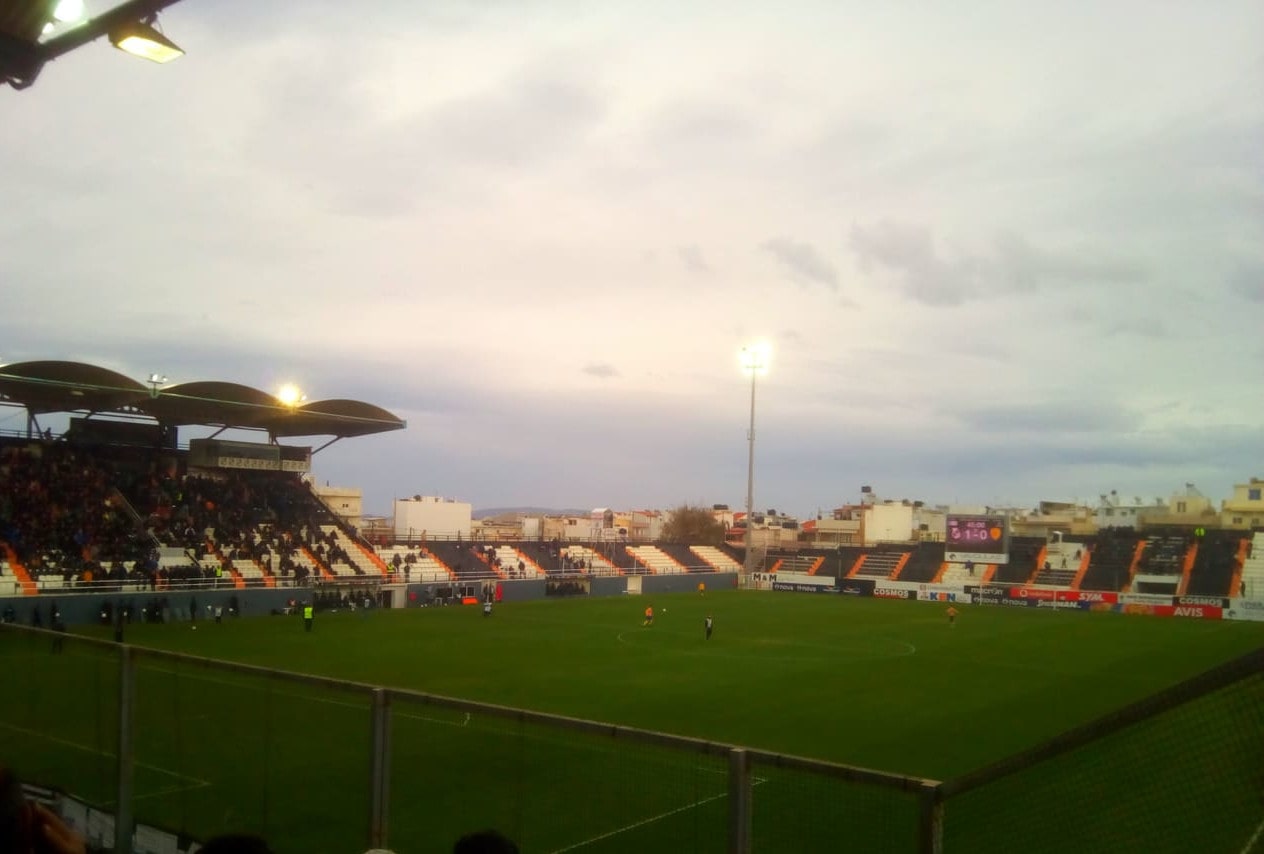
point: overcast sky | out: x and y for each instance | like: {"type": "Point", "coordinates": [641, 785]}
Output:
{"type": "Point", "coordinates": [1003, 251]}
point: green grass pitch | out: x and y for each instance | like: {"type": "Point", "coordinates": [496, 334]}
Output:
{"type": "Point", "coordinates": [880, 684]}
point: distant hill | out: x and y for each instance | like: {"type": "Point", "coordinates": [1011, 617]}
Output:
{"type": "Point", "coordinates": [488, 512]}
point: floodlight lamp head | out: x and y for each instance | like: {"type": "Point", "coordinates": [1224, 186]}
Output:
{"type": "Point", "coordinates": [139, 38]}
{"type": "Point", "coordinates": [290, 395]}
{"type": "Point", "coordinates": [754, 358]}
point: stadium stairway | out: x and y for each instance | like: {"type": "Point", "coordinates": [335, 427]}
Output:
{"type": "Point", "coordinates": [24, 580]}
{"type": "Point", "coordinates": [858, 565]}
{"type": "Point", "coordinates": [1086, 557]}
{"type": "Point", "coordinates": [1252, 577]}
{"type": "Point", "coordinates": [1187, 569]}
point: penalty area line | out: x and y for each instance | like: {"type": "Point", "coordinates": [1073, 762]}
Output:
{"type": "Point", "coordinates": [193, 782]}
{"type": "Point", "coordinates": [646, 821]}
{"type": "Point", "coordinates": [1255, 837]}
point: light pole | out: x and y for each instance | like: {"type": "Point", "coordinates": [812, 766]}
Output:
{"type": "Point", "coordinates": [754, 359]}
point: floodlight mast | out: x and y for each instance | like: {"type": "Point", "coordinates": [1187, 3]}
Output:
{"type": "Point", "coordinates": [754, 359]}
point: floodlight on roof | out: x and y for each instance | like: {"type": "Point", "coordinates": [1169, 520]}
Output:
{"type": "Point", "coordinates": [141, 39]}
{"type": "Point", "coordinates": [68, 11]}
{"type": "Point", "coordinates": [290, 395]}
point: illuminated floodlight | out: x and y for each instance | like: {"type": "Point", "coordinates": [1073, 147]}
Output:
{"type": "Point", "coordinates": [290, 395]}
{"type": "Point", "coordinates": [68, 11]}
{"type": "Point", "coordinates": [755, 358]}
{"type": "Point", "coordinates": [141, 39]}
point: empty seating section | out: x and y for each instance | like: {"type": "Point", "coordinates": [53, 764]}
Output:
{"type": "Point", "coordinates": [1164, 554]}
{"type": "Point", "coordinates": [1110, 560]}
{"type": "Point", "coordinates": [467, 561]}
{"type": "Point", "coordinates": [880, 564]}
{"type": "Point", "coordinates": [794, 563]}
{"type": "Point", "coordinates": [684, 556]}
{"type": "Point", "coordinates": [1215, 564]}
{"type": "Point", "coordinates": [1024, 552]}
{"type": "Point", "coordinates": [1252, 583]}
{"type": "Point", "coordinates": [924, 563]}
{"type": "Point", "coordinates": [716, 558]}
{"type": "Point", "coordinates": [655, 560]}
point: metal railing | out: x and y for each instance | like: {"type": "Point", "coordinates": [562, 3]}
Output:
{"type": "Point", "coordinates": [332, 765]}
{"type": "Point", "coordinates": [389, 751]}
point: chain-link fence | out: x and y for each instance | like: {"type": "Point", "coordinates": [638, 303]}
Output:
{"type": "Point", "coordinates": [198, 747]}
{"type": "Point", "coordinates": [1180, 771]}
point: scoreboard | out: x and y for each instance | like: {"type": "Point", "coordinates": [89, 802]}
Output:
{"type": "Point", "coordinates": [982, 539]}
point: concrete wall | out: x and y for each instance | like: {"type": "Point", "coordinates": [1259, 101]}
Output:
{"type": "Point", "coordinates": [687, 582]}
{"type": "Point", "coordinates": [84, 608]}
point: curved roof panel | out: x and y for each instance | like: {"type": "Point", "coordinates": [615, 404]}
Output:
{"type": "Point", "coordinates": [213, 402]}
{"type": "Point", "coordinates": [53, 386]}
{"type": "Point", "coordinates": [338, 417]}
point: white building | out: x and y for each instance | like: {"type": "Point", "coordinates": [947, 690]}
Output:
{"type": "Point", "coordinates": [346, 502]}
{"type": "Point", "coordinates": [888, 522]}
{"type": "Point", "coordinates": [1116, 512]}
{"type": "Point", "coordinates": [430, 517]}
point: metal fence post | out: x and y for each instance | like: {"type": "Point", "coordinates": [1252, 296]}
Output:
{"type": "Point", "coordinates": [380, 769]}
{"type": "Point", "coordinates": [739, 801]}
{"type": "Point", "coordinates": [930, 823]}
{"type": "Point", "coordinates": [124, 750]}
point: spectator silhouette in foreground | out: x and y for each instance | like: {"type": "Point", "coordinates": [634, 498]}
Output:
{"type": "Point", "coordinates": [484, 842]}
{"type": "Point", "coordinates": [236, 843]}
{"type": "Point", "coordinates": [30, 828]}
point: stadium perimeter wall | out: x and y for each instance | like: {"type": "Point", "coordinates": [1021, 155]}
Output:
{"type": "Point", "coordinates": [80, 608]}
{"type": "Point", "coordinates": [83, 608]}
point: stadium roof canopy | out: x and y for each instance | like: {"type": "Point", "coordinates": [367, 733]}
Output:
{"type": "Point", "coordinates": [51, 386]}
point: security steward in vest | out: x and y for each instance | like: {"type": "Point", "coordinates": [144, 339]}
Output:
{"type": "Point", "coordinates": [308, 613]}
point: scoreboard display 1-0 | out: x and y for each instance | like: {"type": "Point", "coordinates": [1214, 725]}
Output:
{"type": "Point", "coordinates": [982, 539]}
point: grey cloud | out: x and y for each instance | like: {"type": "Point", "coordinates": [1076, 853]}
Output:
{"type": "Point", "coordinates": [691, 255]}
{"type": "Point", "coordinates": [909, 254]}
{"type": "Point", "coordinates": [1139, 326]}
{"type": "Point", "coordinates": [1052, 417]}
{"type": "Point", "coordinates": [601, 370]}
{"type": "Point", "coordinates": [1249, 284]}
{"type": "Point", "coordinates": [367, 164]}
{"type": "Point", "coordinates": [802, 260]}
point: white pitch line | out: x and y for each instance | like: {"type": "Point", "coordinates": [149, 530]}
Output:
{"type": "Point", "coordinates": [650, 820]}
{"type": "Point", "coordinates": [196, 782]}
{"type": "Point", "coordinates": [1255, 837]}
